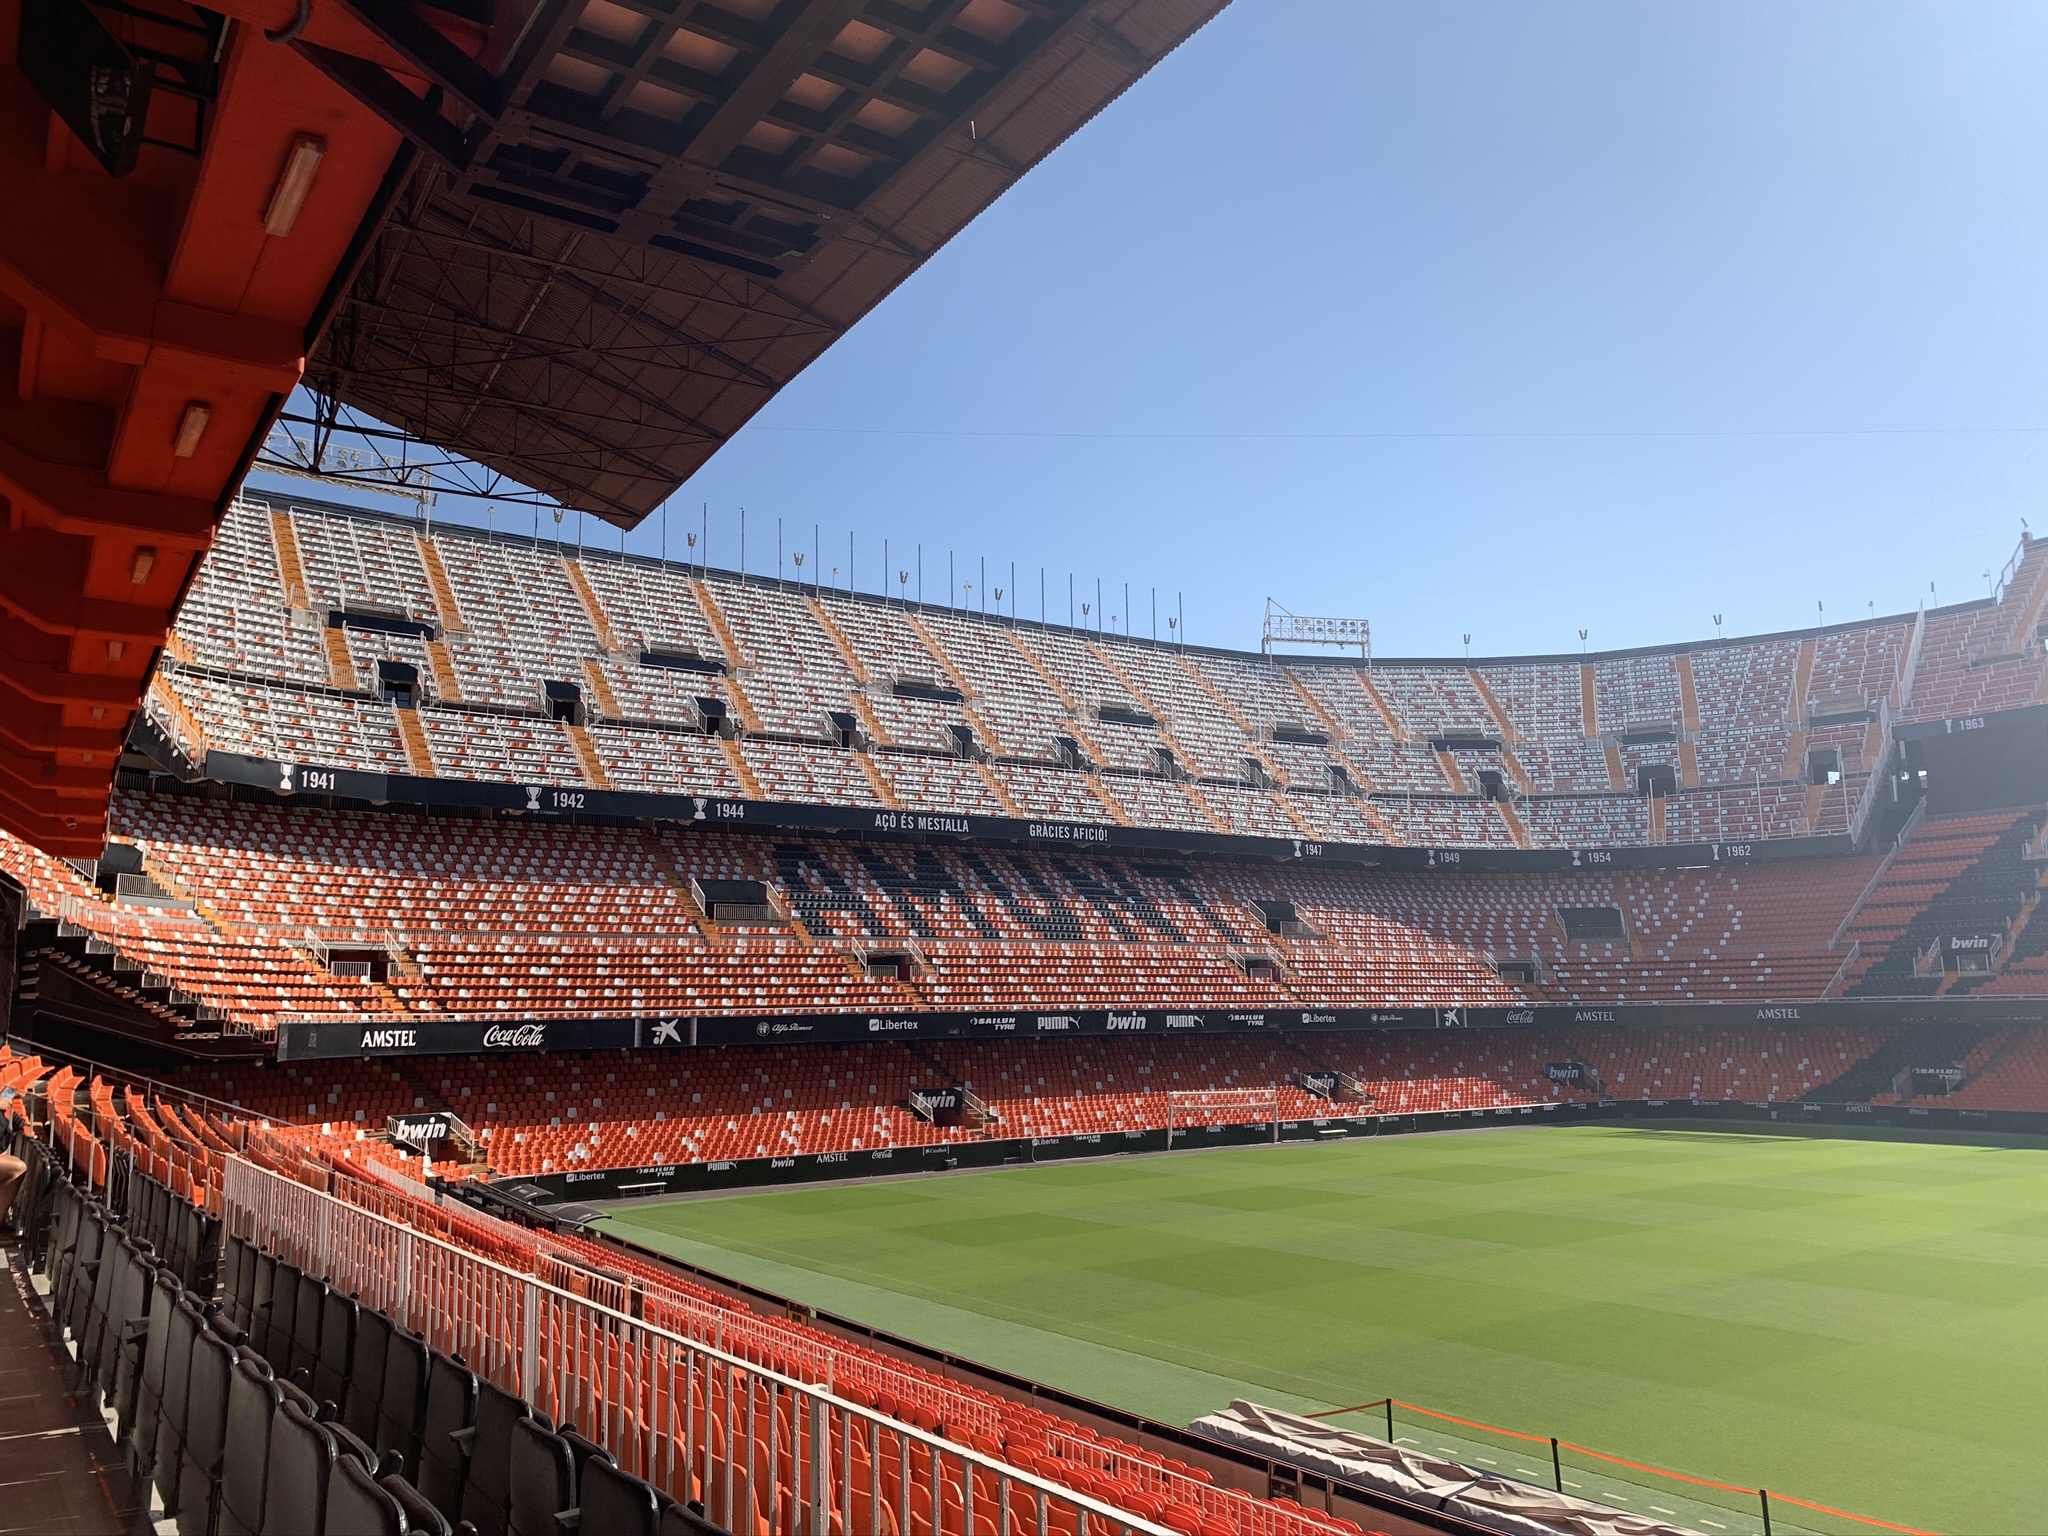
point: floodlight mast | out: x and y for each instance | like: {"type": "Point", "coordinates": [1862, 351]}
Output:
{"type": "Point", "coordinates": [1284, 628]}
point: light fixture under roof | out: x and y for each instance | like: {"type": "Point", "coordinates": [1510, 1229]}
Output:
{"type": "Point", "coordinates": [191, 428]}
{"type": "Point", "coordinates": [301, 162]}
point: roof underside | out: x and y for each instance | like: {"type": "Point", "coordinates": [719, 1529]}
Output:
{"type": "Point", "coordinates": [613, 249]}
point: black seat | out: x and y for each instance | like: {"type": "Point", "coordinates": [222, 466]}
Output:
{"type": "Point", "coordinates": [616, 1503]}
{"type": "Point", "coordinates": [204, 1447]}
{"type": "Point", "coordinates": [205, 1260]}
{"type": "Point", "coordinates": [421, 1518]}
{"type": "Point", "coordinates": [542, 1480]}
{"type": "Point", "coordinates": [187, 1323]}
{"type": "Point", "coordinates": [365, 1394]}
{"type": "Point", "coordinates": [147, 1206]}
{"type": "Point", "coordinates": [161, 1227]}
{"type": "Point", "coordinates": [67, 1212]}
{"type": "Point", "coordinates": [306, 1320]}
{"type": "Point", "coordinates": [127, 1331]}
{"type": "Point", "coordinates": [681, 1520]}
{"type": "Point", "coordinates": [359, 1505]}
{"type": "Point", "coordinates": [349, 1445]}
{"type": "Point", "coordinates": [402, 1399]}
{"type": "Point", "coordinates": [177, 1242]}
{"type": "Point", "coordinates": [224, 1326]}
{"type": "Point", "coordinates": [445, 1433]}
{"type": "Point", "coordinates": [253, 1399]}
{"type": "Point", "coordinates": [487, 1491]}
{"type": "Point", "coordinates": [275, 1342]}
{"type": "Point", "coordinates": [95, 1290]}
{"type": "Point", "coordinates": [84, 1267]}
{"type": "Point", "coordinates": [583, 1451]}
{"type": "Point", "coordinates": [336, 1358]}
{"type": "Point", "coordinates": [262, 1280]}
{"type": "Point", "coordinates": [238, 1276]}
{"type": "Point", "coordinates": [292, 1392]}
{"type": "Point", "coordinates": [296, 1476]}
{"type": "Point", "coordinates": [139, 1428]}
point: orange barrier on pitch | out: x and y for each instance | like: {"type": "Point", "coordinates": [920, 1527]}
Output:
{"type": "Point", "coordinates": [1620, 1461]}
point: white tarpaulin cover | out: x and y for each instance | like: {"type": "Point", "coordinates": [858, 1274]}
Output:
{"type": "Point", "coordinates": [1497, 1503]}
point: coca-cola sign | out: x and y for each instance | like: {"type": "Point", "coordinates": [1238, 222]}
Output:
{"type": "Point", "coordinates": [523, 1037]}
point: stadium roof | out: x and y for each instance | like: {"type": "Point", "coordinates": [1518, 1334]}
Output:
{"type": "Point", "coordinates": [652, 214]}
{"type": "Point", "coordinates": [577, 241]}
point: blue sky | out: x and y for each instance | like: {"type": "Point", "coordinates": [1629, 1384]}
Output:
{"type": "Point", "coordinates": [1508, 319]}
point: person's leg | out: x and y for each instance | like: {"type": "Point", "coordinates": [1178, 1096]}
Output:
{"type": "Point", "coordinates": [11, 1170]}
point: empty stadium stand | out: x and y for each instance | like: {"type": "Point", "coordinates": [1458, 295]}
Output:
{"type": "Point", "coordinates": [321, 636]}
{"type": "Point", "coordinates": [269, 910]}
{"type": "Point", "coordinates": [541, 1115]}
{"type": "Point", "coordinates": [1960, 878]}
{"type": "Point", "coordinates": [289, 1337]}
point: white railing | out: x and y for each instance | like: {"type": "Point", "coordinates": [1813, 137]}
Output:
{"type": "Point", "coordinates": [694, 1418]}
{"type": "Point", "coordinates": [1902, 687]}
{"type": "Point", "coordinates": [1877, 768]}
{"type": "Point", "coordinates": [2011, 569]}
{"type": "Point", "coordinates": [1883, 868]}
{"type": "Point", "coordinates": [1842, 971]}
{"type": "Point", "coordinates": [802, 1353]}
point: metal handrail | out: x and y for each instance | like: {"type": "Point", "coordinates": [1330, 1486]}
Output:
{"type": "Point", "coordinates": [1842, 970]}
{"type": "Point", "coordinates": [1883, 868]}
{"type": "Point", "coordinates": [576, 1358]}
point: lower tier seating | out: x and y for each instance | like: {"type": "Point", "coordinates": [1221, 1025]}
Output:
{"type": "Point", "coordinates": [274, 912]}
{"type": "Point", "coordinates": [541, 1114]}
{"type": "Point", "coordinates": [258, 1391]}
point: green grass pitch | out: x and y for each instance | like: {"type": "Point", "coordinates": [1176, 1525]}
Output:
{"type": "Point", "coordinates": [1863, 1323]}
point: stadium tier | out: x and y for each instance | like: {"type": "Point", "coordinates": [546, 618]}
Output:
{"type": "Point", "coordinates": [724, 1104]}
{"type": "Point", "coordinates": [319, 638]}
{"type": "Point", "coordinates": [254, 913]}
{"type": "Point", "coordinates": [254, 1339]}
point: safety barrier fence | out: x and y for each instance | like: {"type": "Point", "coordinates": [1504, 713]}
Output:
{"type": "Point", "coordinates": [1769, 1507]}
{"type": "Point", "coordinates": [380, 1190]}
{"type": "Point", "coordinates": [755, 1444]}
{"type": "Point", "coordinates": [623, 1284]}
{"type": "Point", "coordinates": [704, 1401]}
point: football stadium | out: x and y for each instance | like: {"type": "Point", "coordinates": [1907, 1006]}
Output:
{"type": "Point", "coordinates": [508, 1035]}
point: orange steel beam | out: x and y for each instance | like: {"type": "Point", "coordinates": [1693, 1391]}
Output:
{"type": "Point", "coordinates": [132, 308]}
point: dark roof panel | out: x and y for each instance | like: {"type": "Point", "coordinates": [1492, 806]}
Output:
{"type": "Point", "coordinates": [662, 212]}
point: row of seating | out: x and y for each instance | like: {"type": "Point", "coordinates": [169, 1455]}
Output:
{"type": "Point", "coordinates": [276, 1406]}
{"type": "Point", "coordinates": [541, 1115]}
{"type": "Point", "coordinates": [515, 614]}
{"type": "Point", "coordinates": [469, 916]}
{"type": "Point", "coordinates": [724, 1438]}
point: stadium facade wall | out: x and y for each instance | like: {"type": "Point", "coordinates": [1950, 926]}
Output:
{"type": "Point", "coordinates": [558, 802]}
{"type": "Point", "coordinates": [301, 1040]}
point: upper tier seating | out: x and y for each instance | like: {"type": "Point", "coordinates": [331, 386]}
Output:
{"type": "Point", "coordinates": [238, 615]}
{"type": "Point", "coordinates": [1986, 656]}
{"type": "Point", "coordinates": [812, 677]}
